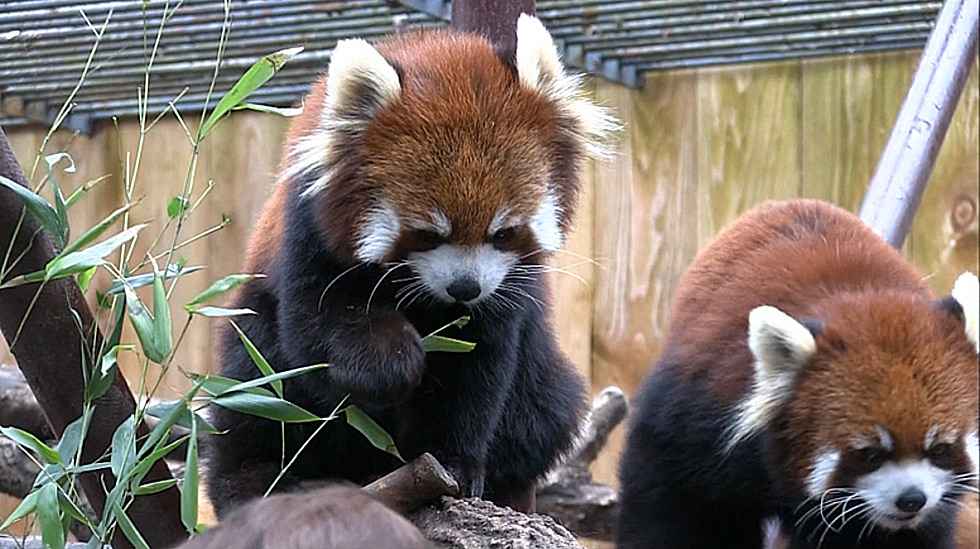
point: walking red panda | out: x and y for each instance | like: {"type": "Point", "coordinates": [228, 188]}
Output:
{"type": "Point", "coordinates": [428, 178]}
{"type": "Point", "coordinates": [808, 375]}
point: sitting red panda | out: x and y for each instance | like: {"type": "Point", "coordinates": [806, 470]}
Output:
{"type": "Point", "coordinates": [807, 375]}
{"type": "Point", "coordinates": [429, 177]}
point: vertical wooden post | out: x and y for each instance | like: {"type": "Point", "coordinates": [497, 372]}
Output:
{"type": "Point", "coordinates": [906, 163]}
{"type": "Point", "coordinates": [51, 351]}
{"type": "Point", "coordinates": [495, 19]}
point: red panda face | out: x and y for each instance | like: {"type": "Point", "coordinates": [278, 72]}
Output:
{"type": "Point", "coordinates": [432, 152]}
{"type": "Point", "coordinates": [873, 410]}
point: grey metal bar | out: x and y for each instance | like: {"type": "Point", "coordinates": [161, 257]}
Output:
{"type": "Point", "coordinates": [900, 179]}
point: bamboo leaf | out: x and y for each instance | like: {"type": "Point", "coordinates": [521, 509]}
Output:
{"type": "Point", "coordinates": [154, 487]}
{"type": "Point", "coordinates": [31, 442]}
{"type": "Point", "coordinates": [138, 281]}
{"type": "Point", "coordinates": [105, 374]}
{"type": "Point", "coordinates": [75, 262]}
{"type": "Point", "coordinates": [245, 385]}
{"type": "Point", "coordinates": [128, 528]}
{"type": "Point", "coordinates": [375, 434]}
{"type": "Point", "coordinates": [123, 448]}
{"type": "Point", "coordinates": [153, 332]}
{"type": "Point", "coordinates": [27, 506]}
{"type": "Point", "coordinates": [435, 343]}
{"type": "Point", "coordinates": [220, 287]}
{"type": "Point", "coordinates": [96, 231]}
{"type": "Point", "coordinates": [44, 212]}
{"type": "Point", "coordinates": [177, 206]}
{"type": "Point", "coordinates": [286, 112]}
{"type": "Point", "coordinates": [52, 530]}
{"type": "Point", "coordinates": [221, 312]}
{"type": "Point", "coordinates": [73, 435]}
{"type": "Point", "coordinates": [258, 359]}
{"type": "Point", "coordinates": [85, 277]}
{"type": "Point", "coordinates": [259, 73]}
{"type": "Point", "coordinates": [265, 407]}
{"type": "Point", "coordinates": [188, 495]}
{"type": "Point", "coordinates": [215, 385]}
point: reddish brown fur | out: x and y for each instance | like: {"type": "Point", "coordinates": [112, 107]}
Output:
{"type": "Point", "coordinates": [864, 293]}
{"type": "Point", "coordinates": [968, 524]}
{"type": "Point", "coordinates": [506, 140]}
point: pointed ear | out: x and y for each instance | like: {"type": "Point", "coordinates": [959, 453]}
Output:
{"type": "Point", "coordinates": [966, 292]}
{"type": "Point", "coordinates": [538, 64]}
{"type": "Point", "coordinates": [539, 69]}
{"type": "Point", "coordinates": [781, 346]}
{"type": "Point", "coordinates": [779, 343]}
{"type": "Point", "coordinates": [359, 82]}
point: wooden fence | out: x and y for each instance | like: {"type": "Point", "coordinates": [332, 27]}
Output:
{"type": "Point", "coordinates": [700, 147]}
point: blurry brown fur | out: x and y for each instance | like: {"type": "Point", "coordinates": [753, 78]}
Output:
{"type": "Point", "coordinates": [336, 517]}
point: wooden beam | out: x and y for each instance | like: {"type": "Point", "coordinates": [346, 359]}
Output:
{"type": "Point", "coordinates": [495, 19]}
{"type": "Point", "coordinates": [906, 163]}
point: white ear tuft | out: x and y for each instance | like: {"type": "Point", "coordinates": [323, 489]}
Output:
{"type": "Point", "coordinates": [539, 69]}
{"type": "Point", "coordinates": [966, 292]}
{"type": "Point", "coordinates": [778, 342]}
{"type": "Point", "coordinates": [359, 81]}
{"type": "Point", "coordinates": [538, 64]}
{"type": "Point", "coordinates": [780, 346]}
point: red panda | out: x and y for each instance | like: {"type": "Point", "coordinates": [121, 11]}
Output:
{"type": "Point", "coordinates": [809, 376]}
{"type": "Point", "coordinates": [428, 178]}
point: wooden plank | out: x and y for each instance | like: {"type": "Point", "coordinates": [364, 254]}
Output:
{"type": "Point", "coordinates": [645, 197]}
{"type": "Point", "coordinates": [572, 283]}
{"type": "Point", "coordinates": [748, 140]}
{"type": "Point", "coordinates": [944, 236]}
{"type": "Point", "coordinates": [849, 107]}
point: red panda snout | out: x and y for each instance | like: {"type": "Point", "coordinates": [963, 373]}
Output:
{"type": "Point", "coordinates": [901, 494]}
{"type": "Point", "coordinates": [462, 274]}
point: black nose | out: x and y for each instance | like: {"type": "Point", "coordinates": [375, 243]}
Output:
{"type": "Point", "coordinates": [464, 289]}
{"type": "Point", "coordinates": [910, 500]}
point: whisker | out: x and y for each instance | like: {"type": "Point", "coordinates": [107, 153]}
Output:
{"type": "Point", "coordinates": [319, 305]}
{"type": "Point", "coordinates": [367, 308]}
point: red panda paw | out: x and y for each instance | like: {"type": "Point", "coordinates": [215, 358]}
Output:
{"type": "Point", "coordinates": [380, 360]}
{"type": "Point", "coordinates": [469, 475]}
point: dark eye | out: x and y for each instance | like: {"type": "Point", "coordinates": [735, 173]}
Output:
{"type": "Point", "coordinates": [872, 457]}
{"type": "Point", "coordinates": [429, 238]}
{"type": "Point", "coordinates": [940, 452]}
{"type": "Point", "coordinates": [503, 236]}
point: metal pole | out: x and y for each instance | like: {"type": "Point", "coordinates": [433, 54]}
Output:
{"type": "Point", "coordinates": [495, 19]}
{"type": "Point", "coordinates": [51, 351]}
{"type": "Point", "coordinates": [900, 179]}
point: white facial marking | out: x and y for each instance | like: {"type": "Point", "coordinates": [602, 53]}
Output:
{"type": "Point", "coordinates": [545, 226]}
{"type": "Point", "coordinates": [437, 223]}
{"type": "Point", "coordinates": [930, 437]}
{"type": "Point", "coordinates": [378, 234]}
{"type": "Point", "coordinates": [972, 449]}
{"type": "Point", "coordinates": [823, 467]}
{"type": "Point", "coordinates": [438, 268]}
{"type": "Point", "coordinates": [781, 346]}
{"type": "Point", "coordinates": [966, 291]}
{"type": "Point", "coordinates": [501, 220]}
{"type": "Point", "coordinates": [882, 488]}
{"type": "Point", "coordinates": [885, 438]}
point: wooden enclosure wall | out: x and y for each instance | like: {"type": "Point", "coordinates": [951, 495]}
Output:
{"type": "Point", "coordinates": [699, 148]}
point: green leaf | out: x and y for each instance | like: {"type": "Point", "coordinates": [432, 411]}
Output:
{"type": "Point", "coordinates": [52, 160]}
{"type": "Point", "coordinates": [128, 528]}
{"type": "Point", "coordinates": [143, 466]}
{"type": "Point", "coordinates": [27, 506]}
{"type": "Point", "coordinates": [274, 378]}
{"type": "Point", "coordinates": [96, 231]}
{"type": "Point", "coordinates": [219, 288]}
{"type": "Point", "coordinates": [177, 206]}
{"type": "Point", "coordinates": [435, 343]}
{"type": "Point", "coordinates": [153, 331]}
{"type": "Point", "coordinates": [75, 262]}
{"type": "Point", "coordinates": [52, 531]}
{"type": "Point", "coordinates": [31, 442]}
{"type": "Point", "coordinates": [44, 212]}
{"type": "Point", "coordinates": [258, 359]}
{"type": "Point", "coordinates": [85, 277]}
{"type": "Point", "coordinates": [52, 472]}
{"type": "Point", "coordinates": [73, 436]}
{"type": "Point", "coordinates": [255, 76]}
{"type": "Point", "coordinates": [188, 495]}
{"type": "Point", "coordinates": [265, 407]}
{"type": "Point", "coordinates": [161, 409]}
{"type": "Point", "coordinates": [375, 434]}
{"type": "Point", "coordinates": [138, 281]}
{"type": "Point", "coordinates": [60, 206]}
{"type": "Point", "coordinates": [215, 385]}
{"type": "Point", "coordinates": [123, 448]}
{"type": "Point", "coordinates": [154, 487]}
{"type": "Point", "coordinates": [286, 112]}
{"type": "Point", "coordinates": [169, 419]}
{"type": "Point", "coordinates": [221, 312]}
{"type": "Point", "coordinates": [105, 374]}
